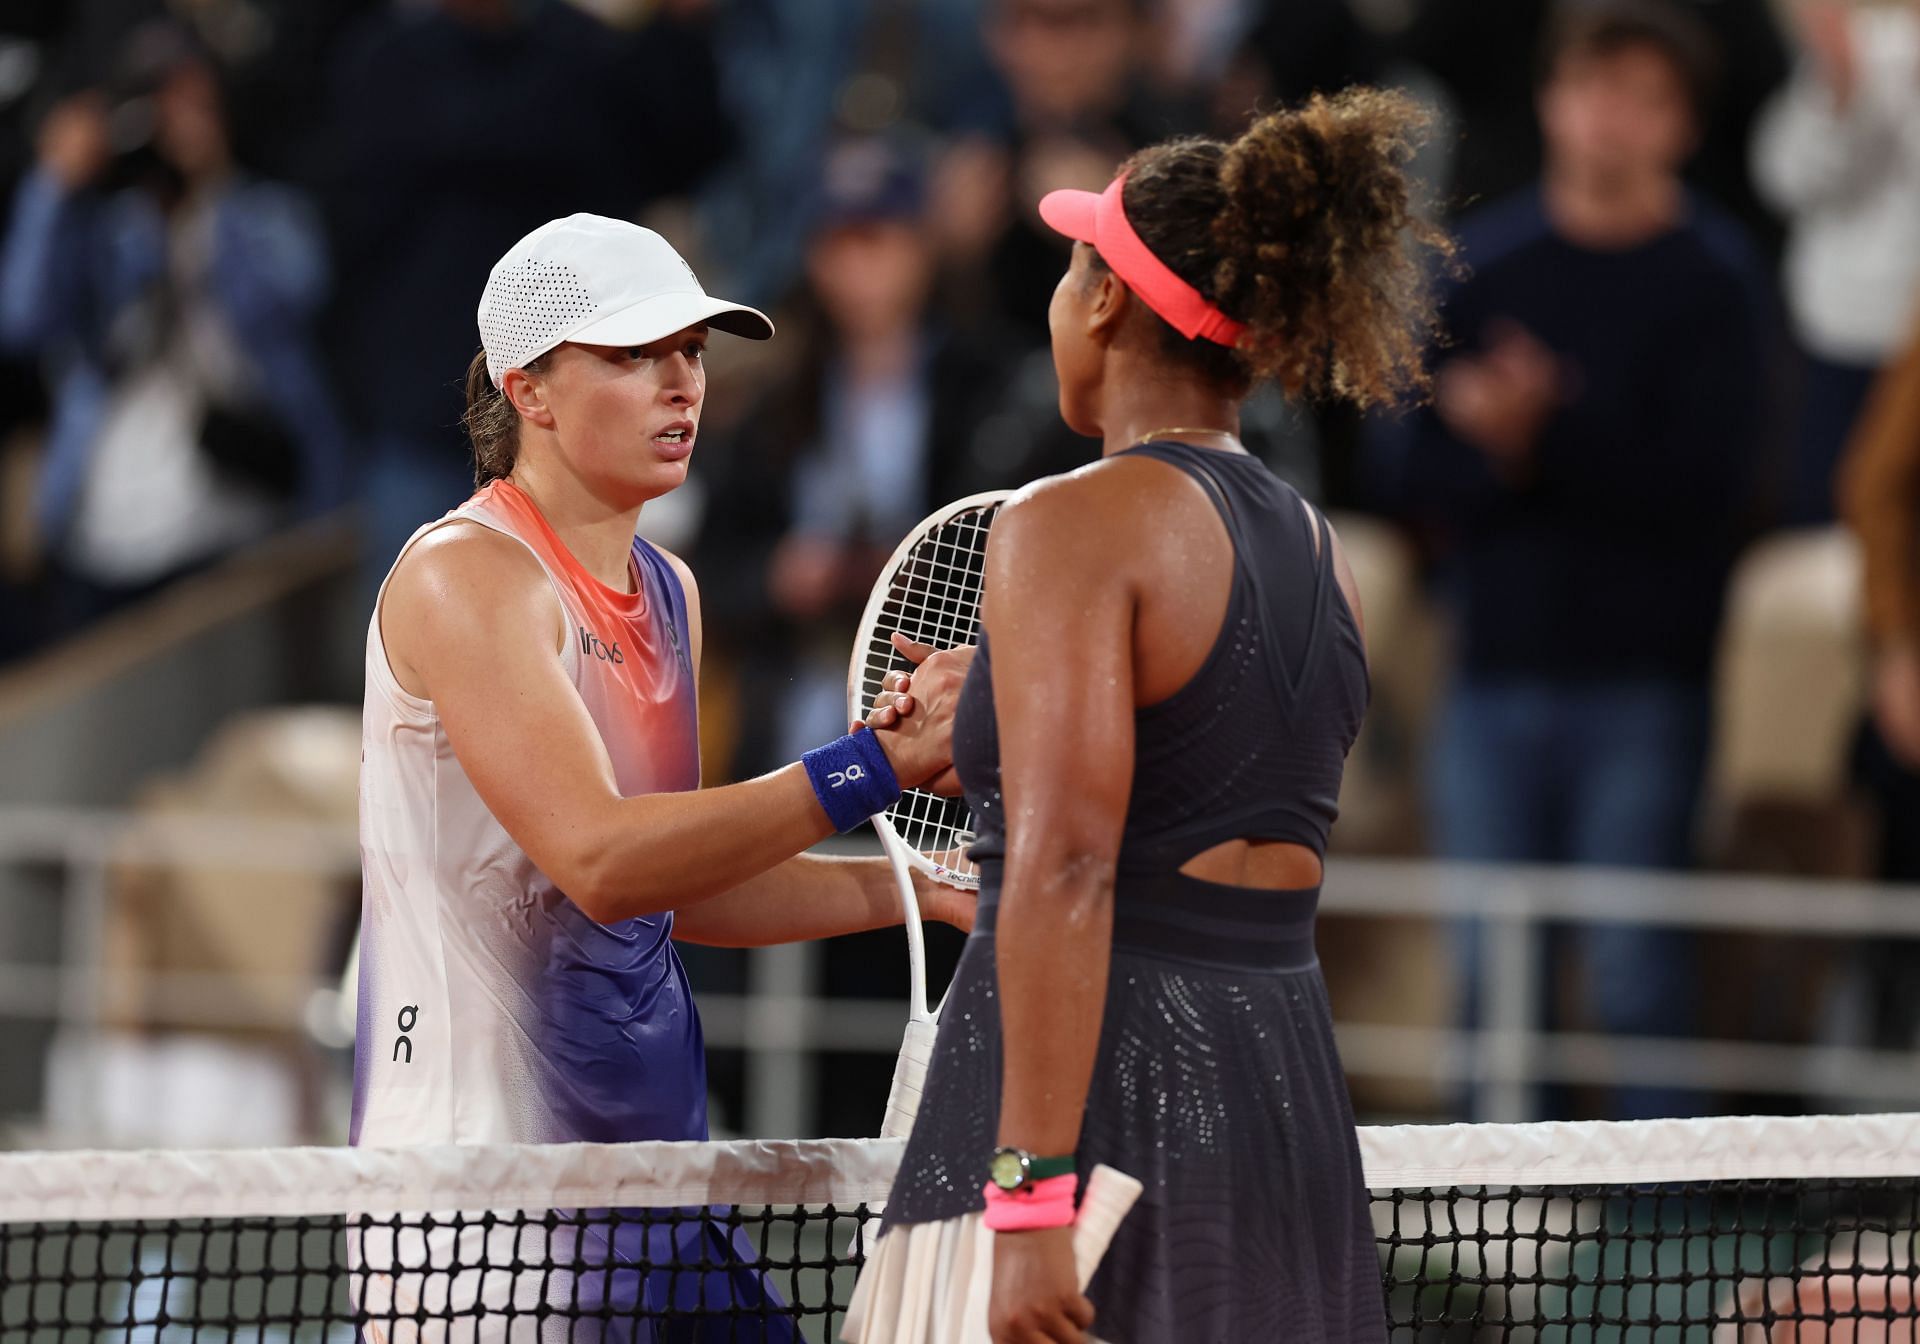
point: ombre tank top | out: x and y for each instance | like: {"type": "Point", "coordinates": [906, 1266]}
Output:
{"type": "Point", "coordinates": [491, 1008]}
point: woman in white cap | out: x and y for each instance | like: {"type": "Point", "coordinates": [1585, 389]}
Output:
{"type": "Point", "coordinates": [533, 835]}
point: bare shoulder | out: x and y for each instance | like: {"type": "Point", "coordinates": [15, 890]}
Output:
{"type": "Point", "coordinates": [1086, 514]}
{"type": "Point", "coordinates": [459, 563]}
{"type": "Point", "coordinates": [463, 581]}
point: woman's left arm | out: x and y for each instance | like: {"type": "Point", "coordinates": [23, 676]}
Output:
{"type": "Point", "coordinates": [1061, 598]}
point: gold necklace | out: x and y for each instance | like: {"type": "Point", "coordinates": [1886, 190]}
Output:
{"type": "Point", "coordinates": [1172, 430]}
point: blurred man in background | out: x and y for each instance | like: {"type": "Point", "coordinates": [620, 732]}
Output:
{"type": "Point", "coordinates": [1838, 154]}
{"type": "Point", "coordinates": [1482, 52]}
{"type": "Point", "coordinates": [172, 299]}
{"type": "Point", "coordinates": [1584, 461]}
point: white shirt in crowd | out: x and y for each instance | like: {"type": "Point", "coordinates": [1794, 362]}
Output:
{"type": "Point", "coordinates": [152, 501]}
{"type": "Point", "coordinates": [1848, 181]}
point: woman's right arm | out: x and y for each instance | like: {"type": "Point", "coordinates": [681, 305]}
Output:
{"type": "Point", "coordinates": [470, 622]}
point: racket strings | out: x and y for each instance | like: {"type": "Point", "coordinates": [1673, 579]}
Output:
{"type": "Point", "coordinates": [934, 599]}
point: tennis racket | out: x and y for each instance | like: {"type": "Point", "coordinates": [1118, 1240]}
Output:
{"type": "Point", "coordinates": [929, 592]}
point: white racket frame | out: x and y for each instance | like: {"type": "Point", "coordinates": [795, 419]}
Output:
{"type": "Point", "coordinates": [923, 1020]}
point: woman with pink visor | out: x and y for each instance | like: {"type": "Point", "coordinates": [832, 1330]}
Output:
{"type": "Point", "coordinates": [1152, 737]}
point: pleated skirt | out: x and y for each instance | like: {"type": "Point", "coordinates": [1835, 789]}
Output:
{"type": "Point", "coordinates": [1217, 1085]}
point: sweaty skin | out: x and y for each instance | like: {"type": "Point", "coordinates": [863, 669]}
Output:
{"type": "Point", "coordinates": [1126, 566]}
{"type": "Point", "coordinates": [470, 623]}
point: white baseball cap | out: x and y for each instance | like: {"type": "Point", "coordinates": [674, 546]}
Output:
{"type": "Point", "coordinates": [599, 281]}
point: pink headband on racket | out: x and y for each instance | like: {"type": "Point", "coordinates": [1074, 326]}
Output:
{"type": "Point", "coordinates": [1100, 220]}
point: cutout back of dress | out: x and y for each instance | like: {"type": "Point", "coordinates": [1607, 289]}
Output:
{"type": "Point", "coordinates": [1254, 745]}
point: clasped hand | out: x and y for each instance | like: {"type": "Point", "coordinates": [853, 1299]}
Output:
{"type": "Point", "coordinates": [913, 715]}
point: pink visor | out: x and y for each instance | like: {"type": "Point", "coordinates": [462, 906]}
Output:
{"type": "Point", "coordinates": [1099, 220]}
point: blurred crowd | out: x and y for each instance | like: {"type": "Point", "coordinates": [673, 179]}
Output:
{"type": "Point", "coordinates": [244, 239]}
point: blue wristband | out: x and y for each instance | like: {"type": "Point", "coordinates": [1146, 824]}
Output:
{"type": "Point", "coordinates": [852, 778]}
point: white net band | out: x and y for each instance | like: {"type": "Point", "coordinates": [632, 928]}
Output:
{"type": "Point", "coordinates": [1640, 1152]}
{"type": "Point", "coordinates": [297, 1182]}
{"type": "Point", "coordinates": [293, 1182]}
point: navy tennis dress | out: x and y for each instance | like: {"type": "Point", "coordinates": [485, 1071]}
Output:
{"type": "Point", "coordinates": [1217, 1082]}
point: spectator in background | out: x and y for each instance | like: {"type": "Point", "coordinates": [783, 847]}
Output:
{"type": "Point", "coordinates": [1077, 103]}
{"type": "Point", "coordinates": [270, 54]}
{"type": "Point", "coordinates": [1314, 46]}
{"type": "Point", "coordinates": [1880, 493]}
{"type": "Point", "coordinates": [1239, 55]}
{"type": "Point", "coordinates": [1584, 459]}
{"type": "Point", "coordinates": [28, 30]}
{"type": "Point", "coordinates": [457, 127]}
{"type": "Point", "coordinates": [1838, 154]}
{"type": "Point", "coordinates": [170, 296]}
{"type": "Point", "coordinates": [1483, 52]}
{"type": "Point", "coordinates": [882, 421]}
{"type": "Point", "coordinates": [797, 77]}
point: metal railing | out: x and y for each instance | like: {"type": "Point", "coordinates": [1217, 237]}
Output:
{"type": "Point", "coordinates": [784, 1016]}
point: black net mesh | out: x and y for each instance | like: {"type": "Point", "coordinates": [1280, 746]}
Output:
{"type": "Point", "coordinates": [1720, 1262]}
{"type": "Point", "coordinates": [707, 1275]}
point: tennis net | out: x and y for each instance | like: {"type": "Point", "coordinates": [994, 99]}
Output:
{"type": "Point", "coordinates": [1731, 1231]}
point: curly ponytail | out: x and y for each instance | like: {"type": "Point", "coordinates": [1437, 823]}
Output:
{"type": "Point", "coordinates": [1306, 229]}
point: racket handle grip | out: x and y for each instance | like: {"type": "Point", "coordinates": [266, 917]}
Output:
{"type": "Point", "coordinates": [909, 1078]}
{"type": "Point", "coordinates": [1109, 1195]}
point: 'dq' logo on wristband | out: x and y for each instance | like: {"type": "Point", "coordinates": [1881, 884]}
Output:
{"type": "Point", "coordinates": [851, 775]}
